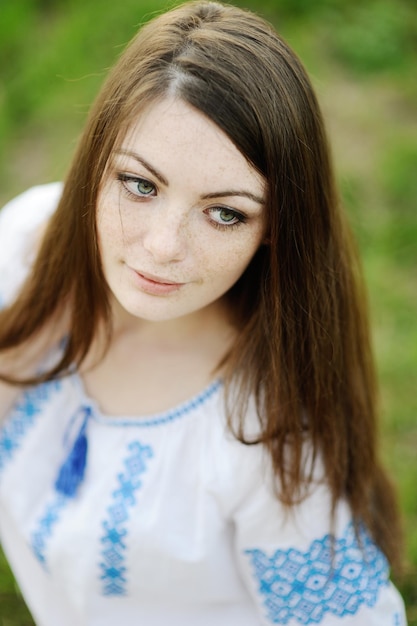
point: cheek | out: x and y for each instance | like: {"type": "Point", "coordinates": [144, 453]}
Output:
{"type": "Point", "coordinates": [103, 233]}
{"type": "Point", "coordinates": [109, 226]}
{"type": "Point", "coordinates": [227, 263]}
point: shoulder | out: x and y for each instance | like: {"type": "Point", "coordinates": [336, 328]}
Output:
{"type": "Point", "coordinates": [31, 207]}
{"type": "Point", "coordinates": [20, 220]}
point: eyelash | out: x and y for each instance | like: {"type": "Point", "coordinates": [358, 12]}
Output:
{"type": "Point", "coordinates": [241, 219]}
{"type": "Point", "coordinates": [128, 178]}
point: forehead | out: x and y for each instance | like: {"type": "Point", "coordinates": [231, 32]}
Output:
{"type": "Point", "coordinates": [170, 132]}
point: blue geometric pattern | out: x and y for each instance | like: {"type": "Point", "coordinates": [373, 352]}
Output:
{"type": "Point", "coordinates": [45, 527]}
{"type": "Point", "coordinates": [335, 575]}
{"type": "Point", "coordinates": [115, 526]}
{"type": "Point", "coordinates": [23, 417]}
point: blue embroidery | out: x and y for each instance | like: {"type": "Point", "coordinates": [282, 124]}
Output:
{"type": "Point", "coordinates": [398, 621]}
{"type": "Point", "coordinates": [115, 531]}
{"type": "Point", "coordinates": [45, 526]}
{"type": "Point", "coordinates": [169, 416]}
{"type": "Point", "coordinates": [23, 417]}
{"type": "Point", "coordinates": [303, 586]}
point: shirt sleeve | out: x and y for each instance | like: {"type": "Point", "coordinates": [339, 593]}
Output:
{"type": "Point", "coordinates": [298, 566]}
{"type": "Point", "coordinates": [20, 220]}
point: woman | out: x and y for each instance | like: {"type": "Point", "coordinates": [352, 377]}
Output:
{"type": "Point", "coordinates": [195, 438]}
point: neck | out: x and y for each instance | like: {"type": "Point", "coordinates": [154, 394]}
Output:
{"type": "Point", "coordinates": [212, 320]}
{"type": "Point", "coordinates": [152, 366]}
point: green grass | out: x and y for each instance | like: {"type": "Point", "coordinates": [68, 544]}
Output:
{"type": "Point", "coordinates": [13, 611]}
{"type": "Point", "coordinates": [362, 58]}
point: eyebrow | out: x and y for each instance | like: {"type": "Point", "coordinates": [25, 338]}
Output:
{"type": "Point", "coordinates": [148, 166]}
{"type": "Point", "coordinates": [208, 196]}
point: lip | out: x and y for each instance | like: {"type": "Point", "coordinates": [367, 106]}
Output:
{"type": "Point", "coordinates": [156, 279]}
{"type": "Point", "coordinates": [154, 285]}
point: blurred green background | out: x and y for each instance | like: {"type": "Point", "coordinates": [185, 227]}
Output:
{"type": "Point", "coordinates": [362, 58]}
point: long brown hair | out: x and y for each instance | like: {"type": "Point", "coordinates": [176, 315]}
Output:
{"type": "Point", "coordinates": [303, 348]}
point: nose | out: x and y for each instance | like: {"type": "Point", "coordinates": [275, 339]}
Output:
{"type": "Point", "coordinates": [165, 239]}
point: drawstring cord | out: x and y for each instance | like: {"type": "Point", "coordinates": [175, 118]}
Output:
{"type": "Point", "coordinates": [71, 473]}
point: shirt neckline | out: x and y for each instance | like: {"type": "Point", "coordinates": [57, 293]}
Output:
{"type": "Point", "coordinates": [157, 419]}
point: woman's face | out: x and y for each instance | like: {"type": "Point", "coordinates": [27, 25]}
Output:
{"type": "Point", "coordinates": [180, 214]}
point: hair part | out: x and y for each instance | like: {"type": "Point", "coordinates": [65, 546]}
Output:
{"type": "Point", "coordinates": [303, 348]}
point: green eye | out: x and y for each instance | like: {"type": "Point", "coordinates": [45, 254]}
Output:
{"type": "Point", "coordinates": [224, 217]}
{"type": "Point", "coordinates": [135, 186]}
{"type": "Point", "coordinates": [144, 187]}
{"type": "Point", "coordinates": [227, 216]}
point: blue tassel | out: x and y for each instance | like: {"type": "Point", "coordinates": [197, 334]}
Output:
{"type": "Point", "coordinates": [72, 472]}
